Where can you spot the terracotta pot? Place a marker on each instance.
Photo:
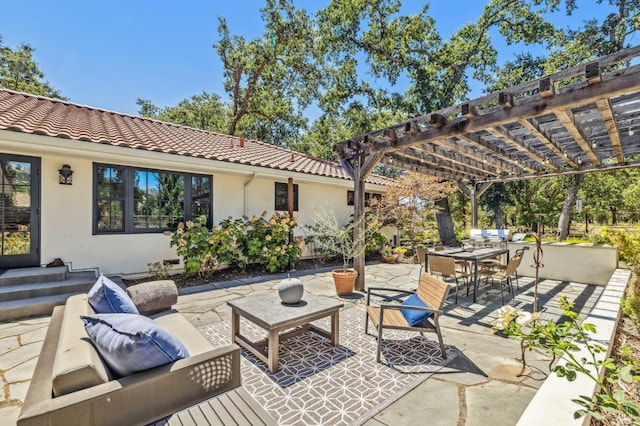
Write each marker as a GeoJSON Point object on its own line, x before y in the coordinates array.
{"type": "Point", "coordinates": [344, 280]}
{"type": "Point", "coordinates": [390, 259]}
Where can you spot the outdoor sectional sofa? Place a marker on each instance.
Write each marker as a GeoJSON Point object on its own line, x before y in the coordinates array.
{"type": "Point", "coordinates": [72, 385]}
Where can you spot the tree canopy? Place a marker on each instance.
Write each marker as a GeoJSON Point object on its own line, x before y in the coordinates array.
{"type": "Point", "coordinates": [20, 72]}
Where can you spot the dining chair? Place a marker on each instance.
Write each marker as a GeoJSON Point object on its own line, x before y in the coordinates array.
{"type": "Point", "coordinates": [421, 254]}
{"type": "Point", "coordinates": [463, 265]}
{"type": "Point", "coordinates": [502, 275]}
{"type": "Point", "coordinates": [446, 268]}
{"type": "Point", "coordinates": [518, 254]}
{"type": "Point", "coordinates": [419, 312]}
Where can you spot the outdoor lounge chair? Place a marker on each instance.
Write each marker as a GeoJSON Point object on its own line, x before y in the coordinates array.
{"type": "Point", "coordinates": [419, 312]}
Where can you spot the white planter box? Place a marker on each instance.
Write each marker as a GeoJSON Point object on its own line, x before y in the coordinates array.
{"type": "Point", "coordinates": [582, 263]}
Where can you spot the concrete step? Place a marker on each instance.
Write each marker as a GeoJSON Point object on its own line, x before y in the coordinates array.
{"type": "Point", "coordinates": [36, 306]}
{"type": "Point", "coordinates": [10, 277]}
{"type": "Point", "coordinates": [51, 288]}
{"type": "Point", "coordinates": [35, 297]}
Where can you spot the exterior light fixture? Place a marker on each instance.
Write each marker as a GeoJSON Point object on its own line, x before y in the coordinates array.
{"type": "Point", "coordinates": [65, 175]}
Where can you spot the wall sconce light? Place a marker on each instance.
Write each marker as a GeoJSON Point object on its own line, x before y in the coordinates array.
{"type": "Point", "coordinates": [65, 175]}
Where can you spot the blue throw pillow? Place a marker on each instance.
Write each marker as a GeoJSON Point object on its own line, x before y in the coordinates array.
{"type": "Point", "coordinates": [107, 297]}
{"type": "Point", "coordinates": [413, 316]}
{"type": "Point", "coordinates": [129, 343]}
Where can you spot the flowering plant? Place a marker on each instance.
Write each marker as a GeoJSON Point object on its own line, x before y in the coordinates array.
{"type": "Point", "coordinates": [510, 320]}
{"type": "Point", "coordinates": [570, 342]}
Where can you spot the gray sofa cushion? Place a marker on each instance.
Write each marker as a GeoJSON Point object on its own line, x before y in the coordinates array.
{"type": "Point", "coordinates": [153, 296]}
{"type": "Point", "coordinates": [77, 364]}
{"type": "Point", "coordinates": [130, 343]}
{"type": "Point", "coordinates": [177, 324]}
{"type": "Point", "coordinates": [106, 297]}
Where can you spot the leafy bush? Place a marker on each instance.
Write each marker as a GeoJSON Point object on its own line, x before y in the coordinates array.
{"type": "Point", "coordinates": [628, 243]}
{"type": "Point", "coordinates": [160, 270]}
{"type": "Point", "coordinates": [631, 309]}
{"type": "Point", "coordinates": [226, 240]}
{"type": "Point", "coordinates": [236, 242]}
{"type": "Point", "coordinates": [374, 237]}
{"type": "Point", "coordinates": [191, 240]}
{"type": "Point", "coordinates": [16, 242]}
{"type": "Point", "coordinates": [267, 241]}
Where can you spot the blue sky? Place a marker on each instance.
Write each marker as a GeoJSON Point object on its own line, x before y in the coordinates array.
{"type": "Point", "coordinates": [107, 54]}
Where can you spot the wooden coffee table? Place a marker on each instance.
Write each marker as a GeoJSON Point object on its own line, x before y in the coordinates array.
{"type": "Point", "coordinates": [268, 312]}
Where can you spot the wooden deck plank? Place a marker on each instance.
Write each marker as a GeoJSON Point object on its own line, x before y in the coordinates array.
{"type": "Point", "coordinates": [221, 411]}
{"type": "Point", "coordinates": [209, 413]}
{"type": "Point", "coordinates": [233, 408]}
{"type": "Point", "coordinates": [197, 417]}
{"type": "Point", "coordinates": [253, 412]}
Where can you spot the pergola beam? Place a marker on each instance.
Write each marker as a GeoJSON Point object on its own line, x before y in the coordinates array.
{"type": "Point", "coordinates": [569, 122]}
{"type": "Point", "coordinates": [534, 129]}
{"type": "Point", "coordinates": [604, 106]}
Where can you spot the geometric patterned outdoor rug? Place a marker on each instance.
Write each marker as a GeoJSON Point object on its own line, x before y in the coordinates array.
{"type": "Point", "coordinates": [321, 384]}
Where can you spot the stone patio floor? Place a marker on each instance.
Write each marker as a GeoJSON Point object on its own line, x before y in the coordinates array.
{"type": "Point", "coordinates": [478, 387]}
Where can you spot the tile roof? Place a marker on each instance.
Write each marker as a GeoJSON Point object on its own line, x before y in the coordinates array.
{"type": "Point", "coordinates": [26, 113]}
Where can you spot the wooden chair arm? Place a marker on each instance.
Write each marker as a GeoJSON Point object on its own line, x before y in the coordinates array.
{"type": "Point", "coordinates": [386, 289]}
{"type": "Point", "coordinates": [396, 306]}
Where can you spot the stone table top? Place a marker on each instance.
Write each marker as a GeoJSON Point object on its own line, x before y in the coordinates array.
{"type": "Point", "coordinates": [269, 312]}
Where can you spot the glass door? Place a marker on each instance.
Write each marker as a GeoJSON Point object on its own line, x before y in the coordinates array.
{"type": "Point", "coordinates": [19, 211]}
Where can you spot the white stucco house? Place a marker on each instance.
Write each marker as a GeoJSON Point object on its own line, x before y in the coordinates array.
{"type": "Point", "coordinates": [133, 178]}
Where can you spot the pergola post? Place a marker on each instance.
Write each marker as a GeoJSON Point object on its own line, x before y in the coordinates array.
{"type": "Point", "coordinates": [358, 169]}
{"type": "Point", "coordinates": [473, 192]}
{"type": "Point", "coordinates": [474, 207]}
{"type": "Point", "coordinates": [359, 229]}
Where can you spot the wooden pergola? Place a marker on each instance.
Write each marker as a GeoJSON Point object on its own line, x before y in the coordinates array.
{"type": "Point", "coordinates": [580, 120]}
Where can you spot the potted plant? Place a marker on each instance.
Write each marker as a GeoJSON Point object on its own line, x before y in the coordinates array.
{"type": "Point", "coordinates": [388, 256]}
{"type": "Point", "coordinates": [329, 235]}
{"type": "Point", "coordinates": [400, 251]}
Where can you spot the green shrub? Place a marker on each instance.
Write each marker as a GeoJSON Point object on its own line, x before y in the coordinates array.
{"type": "Point", "coordinates": [374, 237]}
{"type": "Point", "coordinates": [203, 250]}
{"type": "Point", "coordinates": [191, 240]}
{"type": "Point", "coordinates": [16, 242]}
{"type": "Point", "coordinates": [631, 309]}
{"type": "Point", "coordinates": [627, 242]}
{"type": "Point", "coordinates": [160, 270]}
{"type": "Point", "coordinates": [267, 241]}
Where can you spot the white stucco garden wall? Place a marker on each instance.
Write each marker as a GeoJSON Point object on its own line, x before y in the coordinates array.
{"type": "Point", "coordinates": [583, 263]}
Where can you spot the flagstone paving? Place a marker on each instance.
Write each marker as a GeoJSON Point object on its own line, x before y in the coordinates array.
{"type": "Point", "coordinates": [476, 388]}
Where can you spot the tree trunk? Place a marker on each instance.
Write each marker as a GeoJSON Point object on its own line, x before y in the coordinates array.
{"type": "Point", "coordinates": [445, 223]}
{"type": "Point", "coordinates": [499, 216]}
{"type": "Point", "coordinates": [614, 216]}
{"type": "Point", "coordinates": [565, 216]}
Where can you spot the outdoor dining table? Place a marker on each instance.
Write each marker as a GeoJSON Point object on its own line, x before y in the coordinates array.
{"type": "Point", "coordinates": [475, 256]}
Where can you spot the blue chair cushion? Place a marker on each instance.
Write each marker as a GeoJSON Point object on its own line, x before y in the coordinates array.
{"type": "Point", "coordinates": [129, 343]}
{"type": "Point", "coordinates": [107, 297]}
{"type": "Point", "coordinates": [413, 316]}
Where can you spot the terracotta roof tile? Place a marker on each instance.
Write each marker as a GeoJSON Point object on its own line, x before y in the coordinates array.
{"type": "Point", "coordinates": [43, 116]}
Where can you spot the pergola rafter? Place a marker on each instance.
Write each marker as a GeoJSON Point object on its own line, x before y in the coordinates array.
{"type": "Point", "coordinates": [580, 120]}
